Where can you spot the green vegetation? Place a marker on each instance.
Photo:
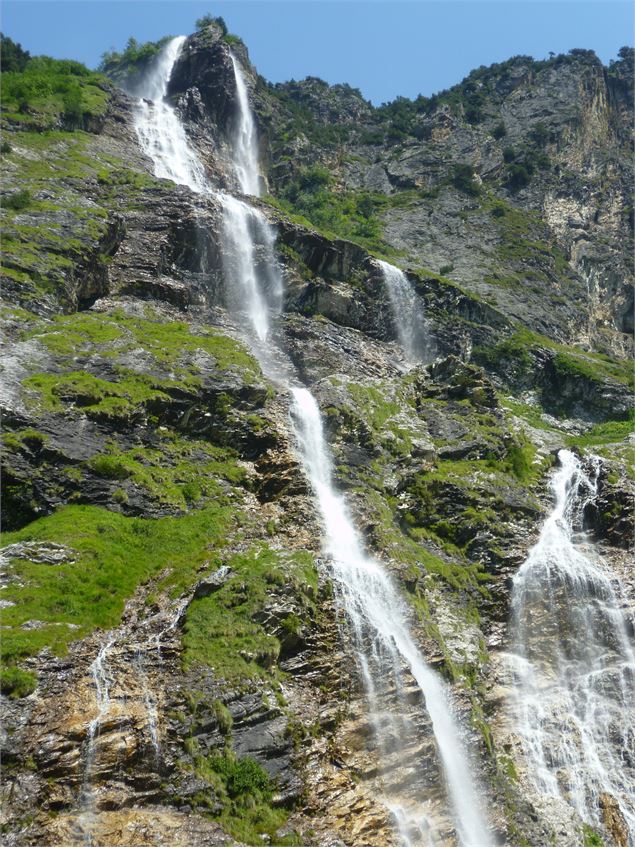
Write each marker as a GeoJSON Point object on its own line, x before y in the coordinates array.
{"type": "Point", "coordinates": [12, 57]}
{"type": "Point", "coordinates": [127, 392]}
{"type": "Point", "coordinates": [301, 121]}
{"type": "Point", "coordinates": [245, 792]}
{"type": "Point", "coordinates": [167, 341]}
{"type": "Point", "coordinates": [591, 837]}
{"type": "Point", "coordinates": [17, 201]}
{"type": "Point", "coordinates": [41, 90]}
{"type": "Point", "coordinates": [176, 472]}
{"type": "Point", "coordinates": [207, 20]}
{"type": "Point", "coordinates": [109, 557]}
{"type": "Point", "coordinates": [463, 179]}
{"type": "Point", "coordinates": [339, 214]}
{"type": "Point", "coordinates": [133, 57]}
{"type": "Point", "coordinates": [16, 682]}
{"type": "Point", "coordinates": [221, 631]}
{"type": "Point", "coordinates": [609, 432]}
{"type": "Point", "coordinates": [514, 357]}
{"type": "Point", "coordinates": [61, 230]}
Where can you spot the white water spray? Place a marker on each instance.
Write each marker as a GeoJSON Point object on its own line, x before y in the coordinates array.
{"type": "Point", "coordinates": [245, 147]}
{"type": "Point", "coordinates": [379, 625]}
{"type": "Point", "coordinates": [407, 312]}
{"type": "Point", "coordinates": [158, 127]}
{"type": "Point", "coordinates": [101, 684]}
{"type": "Point", "coordinates": [377, 616]}
{"type": "Point", "coordinates": [253, 282]}
{"type": "Point", "coordinates": [574, 698]}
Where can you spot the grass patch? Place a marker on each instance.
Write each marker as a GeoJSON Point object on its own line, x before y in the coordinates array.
{"type": "Point", "coordinates": [16, 683]}
{"type": "Point", "coordinates": [111, 556]}
{"type": "Point", "coordinates": [245, 791]}
{"type": "Point", "coordinates": [49, 89]}
{"type": "Point", "coordinates": [178, 472]}
{"type": "Point", "coordinates": [167, 341]}
{"type": "Point", "coordinates": [609, 432]}
{"type": "Point", "coordinates": [222, 630]}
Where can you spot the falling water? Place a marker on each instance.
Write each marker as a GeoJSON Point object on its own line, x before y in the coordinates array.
{"type": "Point", "coordinates": [253, 282]}
{"type": "Point", "coordinates": [574, 663]}
{"type": "Point", "coordinates": [245, 147]}
{"type": "Point", "coordinates": [101, 684]}
{"type": "Point", "coordinates": [407, 312]}
{"type": "Point", "coordinates": [150, 705]}
{"type": "Point", "coordinates": [158, 127]}
{"type": "Point", "coordinates": [376, 613]}
{"type": "Point", "coordinates": [378, 621]}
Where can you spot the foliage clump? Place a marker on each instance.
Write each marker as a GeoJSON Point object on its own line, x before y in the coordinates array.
{"type": "Point", "coordinates": [463, 180]}
{"type": "Point", "coordinates": [52, 88]}
{"type": "Point", "coordinates": [209, 20]}
{"type": "Point", "coordinates": [12, 56]}
{"type": "Point", "coordinates": [133, 55]}
{"type": "Point", "coordinates": [344, 214]}
{"type": "Point", "coordinates": [16, 683]}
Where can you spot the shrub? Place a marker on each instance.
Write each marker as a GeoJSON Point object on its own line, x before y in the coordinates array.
{"type": "Point", "coordinates": [12, 56]}
{"type": "Point", "coordinates": [208, 20]}
{"type": "Point", "coordinates": [539, 134]}
{"type": "Point", "coordinates": [371, 136]}
{"type": "Point", "coordinates": [223, 717]}
{"type": "Point", "coordinates": [5, 148]}
{"type": "Point", "coordinates": [133, 54]}
{"type": "Point", "coordinates": [16, 683]}
{"type": "Point", "coordinates": [444, 270]}
{"type": "Point", "coordinates": [73, 112]}
{"type": "Point", "coordinates": [18, 200]}
{"type": "Point", "coordinates": [509, 154]}
{"type": "Point", "coordinates": [518, 176]}
{"type": "Point", "coordinates": [499, 131]}
{"type": "Point", "coordinates": [463, 179]}
{"type": "Point", "coordinates": [243, 777]}
{"type": "Point", "coordinates": [109, 467]}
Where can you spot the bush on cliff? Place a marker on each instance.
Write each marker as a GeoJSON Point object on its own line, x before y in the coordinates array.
{"type": "Point", "coordinates": [54, 87]}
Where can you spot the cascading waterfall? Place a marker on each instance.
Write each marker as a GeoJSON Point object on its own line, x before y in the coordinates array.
{"type": "Point", "coordinates": [150, 704]}
{"type": "Point", "coordinates": [252, 276]}
{"type": "Point", "coordinates": [101, 684]}
{"type": "Point", "coordinates": [574, 663]}
{"type": "Point", "coordinates": [407, 312]}
{"type": "Point", "coordinates": [377, 616]}
{"type": "Point", "coordinates": [160, 132]}
{"type": "Point", "coordinates": [245, 147]}
{"type": "Point", "coordinates": [378, 621]}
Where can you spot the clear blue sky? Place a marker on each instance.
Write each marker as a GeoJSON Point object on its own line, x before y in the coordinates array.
{"type": "Point", "coordinates": [383, 48]}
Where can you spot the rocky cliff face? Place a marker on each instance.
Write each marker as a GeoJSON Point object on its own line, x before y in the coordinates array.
{"type": "Point", "coordinates": [174, 667]}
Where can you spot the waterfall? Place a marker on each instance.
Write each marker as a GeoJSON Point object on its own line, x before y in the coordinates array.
{"type": "Point", "coordinates": [377, 616]}
{"type": "Point", "coordinates": [245, 147]}
{"type": "Point", "coordinates": [378, 622]}
{"type": "Point", "coordinates": [574, 697]}
{"type": "Point", "coordinates": [253, 282]}
{"type": "Point", "coordinates": [101, 684]}
{"type": "Point", "coordinates": [160, 132]}
{"type": "Point", "coordinates": [407, 312]}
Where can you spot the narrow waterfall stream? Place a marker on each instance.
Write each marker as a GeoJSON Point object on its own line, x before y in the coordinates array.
{"type": "Point", "coordinates": [101, 683]}
{"type": "Point", "coordinates": [407, 312]}
{"type": "Point", "coordinates": [377, 617]}
{"type": "Point", "coordinates": [378, 623]}
{"type": "Point", "coordinates": [574, 662]}
{"type": "Point", "coordinates": [245, 146]}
